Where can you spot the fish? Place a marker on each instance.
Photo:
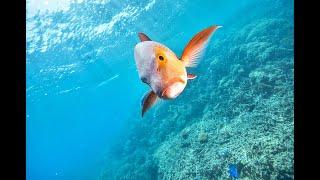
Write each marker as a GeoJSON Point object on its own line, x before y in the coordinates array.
{"type": "Point", "coordinates": [233, 171]}
{"type": "Point", "coordinates": [163, 71]}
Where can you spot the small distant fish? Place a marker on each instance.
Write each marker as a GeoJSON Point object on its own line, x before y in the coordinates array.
{"type": "Point", "coordinates": [162, 70]}
{"type": "Point", "coordinates": [233, 171]}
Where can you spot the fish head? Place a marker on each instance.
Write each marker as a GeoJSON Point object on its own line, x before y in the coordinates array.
{"type": "Point", "coordinates": [159, 67]}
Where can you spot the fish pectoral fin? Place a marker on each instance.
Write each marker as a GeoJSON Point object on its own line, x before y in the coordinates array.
{"type": "Point", "coordinates": [148, 100]}
{"type": "Point", "coordinates": [143, 37]}
{"type": "Point", "coordinates": [196, 46]}
{"type": "Point", "coordinates": [191, 76]}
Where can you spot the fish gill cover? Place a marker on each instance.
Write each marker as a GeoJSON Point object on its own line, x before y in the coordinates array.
{"type": "Point", "coordinates": [83, 92]}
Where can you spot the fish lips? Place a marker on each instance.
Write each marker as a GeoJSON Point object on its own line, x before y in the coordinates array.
{"type": "Point", "coordinates": [174, 89]}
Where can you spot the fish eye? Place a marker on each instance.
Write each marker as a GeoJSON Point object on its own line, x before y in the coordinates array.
{"type": "Point", "coordinates": [161, 58]}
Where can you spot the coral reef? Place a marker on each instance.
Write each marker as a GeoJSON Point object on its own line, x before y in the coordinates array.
{"type": "Point", "coordinates": [203, 137]}
{"type": "Point", "coordinates": [242, 114]}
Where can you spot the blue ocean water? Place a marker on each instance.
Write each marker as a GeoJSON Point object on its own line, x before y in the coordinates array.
{"type": "Point", "coordinates": [83, 91]}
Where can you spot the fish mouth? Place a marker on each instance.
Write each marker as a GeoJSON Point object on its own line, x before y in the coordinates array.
{"type": "Point", "coordinates": [163, 94]}
{"type": "Point", "coordinates": [167, 94]}
{"type": "Point", "coordinates": [173, 88]}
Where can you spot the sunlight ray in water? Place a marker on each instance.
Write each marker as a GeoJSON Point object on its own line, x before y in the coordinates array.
{"type": "Point", "coordinates": [108, 80]}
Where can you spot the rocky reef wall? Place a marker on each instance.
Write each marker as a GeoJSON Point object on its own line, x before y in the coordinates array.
{"type": "Point", "coordinates": [239, 110]}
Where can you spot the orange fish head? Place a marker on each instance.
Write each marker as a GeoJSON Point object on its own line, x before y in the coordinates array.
{"type": "Point", "coordinates": [172, 72]}
{"type": "Point", "coordinates": [159, 67]}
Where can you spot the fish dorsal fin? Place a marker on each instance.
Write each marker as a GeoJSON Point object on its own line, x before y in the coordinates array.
{"type": "Point", "coordinates": [148, 100]}
{"type": "Point", "coordinates": [143, 37]}
{"type": "Point", "coordinates": [196, 46]}
{"type": "Point", "coordinates": [191, 76]}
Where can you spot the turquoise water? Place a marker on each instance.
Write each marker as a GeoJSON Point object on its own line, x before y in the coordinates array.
{"type": "Point", "coordinates": [83, 91]}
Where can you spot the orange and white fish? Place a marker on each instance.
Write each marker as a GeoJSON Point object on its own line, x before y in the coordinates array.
{"type": "Point", "coordinates": [162, 70]}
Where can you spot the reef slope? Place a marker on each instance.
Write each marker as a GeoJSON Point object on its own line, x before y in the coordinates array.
{"type": "Point", "coordinates": [239, 110]}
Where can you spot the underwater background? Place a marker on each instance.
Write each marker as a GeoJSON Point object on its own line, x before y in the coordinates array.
{"type": "Point", "coordinates": [234, 121]}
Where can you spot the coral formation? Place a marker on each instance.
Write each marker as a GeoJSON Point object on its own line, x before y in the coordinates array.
{"type": "Point", "coordinates": [243, 115]}
{"type": "Point", "coordinates": [203, 137]}
{"type": "Point", "coordinates": [184, 133]}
